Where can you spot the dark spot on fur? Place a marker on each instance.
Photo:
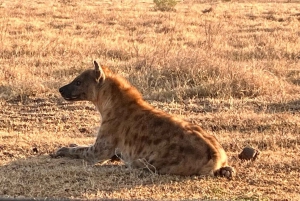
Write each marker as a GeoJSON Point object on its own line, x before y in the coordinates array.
{"type": "Point", "coordinates": [130, 109]}
{"type": "Point", "coordinates": [152, 161]}
{"type": "Point", "coordinates": [158, 123]}
{"type": "Point", "coordinates": [140, 149]}
{"type": "Point", "coordinates": [181, 136]}
{"type": "Point", "coordinates": [186, 149]}
{"type": "Point", "coordinates": [133, 102]}
{"type": "Point", "coordinates": [157, 141]}
{"type": "Point", "coordinates": [175, 162]}
{"type": "Point", "coordinates": [127, 131]}
{"type": "Point", "coordinates": [172, 147]}
{"type": "Point", "coordinates": [166, 155]}
{"type": "Point", "coordinates": [166, 131]}
{"type": "Point", "coordinates": [130, 143]}
{"type": "Point", "coordinates": [181, 149]}
{"type": "Point", "coordinates": [108, 114]}
{"type": "Point", "coordinates": [136, 117]}
{"type": "Point", "coordinates": [127, 115]}
{"type": "Point", "coordinates": [190, 168]}
{"type": "Point", "coordinates": [115, 141]}
{"type": "Point", "coordinates": [145, 139]}
{"type": "Point", "coordinates": [126, 142]}
{"type": "Point", "coordinates": [209, 153]}
{"type": "Point", "coordinates": [143, 128]}
{"type": "Point", "coordinates": [163, 163]}
{"type": "Point", "coordinates": [144, 153]}
{"type": "Point", "coordinates": [113, 90]}
{"type": "Point", "coordinates": [135, 135]}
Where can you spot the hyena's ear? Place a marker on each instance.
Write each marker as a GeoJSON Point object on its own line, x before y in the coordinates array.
{"type": "Point", "coordinates": [99, 72]}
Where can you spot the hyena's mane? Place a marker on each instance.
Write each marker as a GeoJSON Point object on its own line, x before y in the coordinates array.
{"type": "Point", "coordinates": [121, 88]}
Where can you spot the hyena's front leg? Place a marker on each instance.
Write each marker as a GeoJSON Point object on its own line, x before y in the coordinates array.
{"type": "Point", "coordinates": [84, 152]}
{"type": "Point", "coordinates": [101, 150]}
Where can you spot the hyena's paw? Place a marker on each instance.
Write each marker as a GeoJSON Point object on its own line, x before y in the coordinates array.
{"type": "Point", "coordinates": [62, 152]}
{"type": "Point", "coordinates": [227, 172]}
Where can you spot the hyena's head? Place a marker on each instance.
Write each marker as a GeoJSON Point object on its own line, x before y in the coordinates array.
{"type": "Point", "coordinates": [84, 87]}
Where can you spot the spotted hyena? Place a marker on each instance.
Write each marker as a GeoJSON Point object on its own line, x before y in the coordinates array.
{"type": "Point", "coordinates": [143, 136]}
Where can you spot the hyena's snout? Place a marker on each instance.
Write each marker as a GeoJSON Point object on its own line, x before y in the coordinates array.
{"type": "Point", "coordinates": [66, 93]}
{"type": "Point", "coordinates": [73, 92]}
{"type": "Point", "coordinates": [62, 91]}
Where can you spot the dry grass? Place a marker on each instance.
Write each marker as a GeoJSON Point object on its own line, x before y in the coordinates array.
{"type": "Point", "coordinates": [234, 70]}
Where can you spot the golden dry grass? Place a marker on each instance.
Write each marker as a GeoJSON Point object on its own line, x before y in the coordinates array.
{"type": "Point", "coordinates": [234, 70]}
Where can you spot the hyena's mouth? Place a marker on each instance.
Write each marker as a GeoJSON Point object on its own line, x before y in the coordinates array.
{"type": "Point", "coordinates": [72, 98]}
{"type": "Point", "coordinates": [75, 97]}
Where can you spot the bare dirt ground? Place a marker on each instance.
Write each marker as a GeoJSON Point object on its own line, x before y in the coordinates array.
{"type": "Point", "coordinates": [235, 71]}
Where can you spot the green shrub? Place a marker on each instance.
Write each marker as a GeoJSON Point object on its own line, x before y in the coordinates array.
{"type": "Point", "coordinates": [165, 5]}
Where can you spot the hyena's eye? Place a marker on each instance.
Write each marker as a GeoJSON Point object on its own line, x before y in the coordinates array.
{"type": "Point", "coordinates": [78, 83]}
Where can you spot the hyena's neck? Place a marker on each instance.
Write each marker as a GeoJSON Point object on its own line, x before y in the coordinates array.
{"type": "Point", "coordinates": [117, 94]}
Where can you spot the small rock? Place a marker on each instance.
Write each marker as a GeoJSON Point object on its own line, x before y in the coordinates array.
{"type": "Point", "coordinates": [207, 10]}
{"type": "Point", "coordinates": [83, 130]}
{"type": "Point", "coordinates": [35, 150]}
{"type": "Point", "coordinates": [249, 153]}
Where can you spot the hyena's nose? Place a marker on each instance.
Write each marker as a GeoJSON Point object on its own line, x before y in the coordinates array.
{"type": "Point", "coordinates": [61, 90]}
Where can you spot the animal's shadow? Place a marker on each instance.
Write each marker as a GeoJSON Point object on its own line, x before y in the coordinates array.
{"type": "Point", "coordinates": [43, 177]}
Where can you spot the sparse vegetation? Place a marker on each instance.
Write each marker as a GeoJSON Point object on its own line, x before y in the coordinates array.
{"type": "Point", "coordinates": [235, 71]}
